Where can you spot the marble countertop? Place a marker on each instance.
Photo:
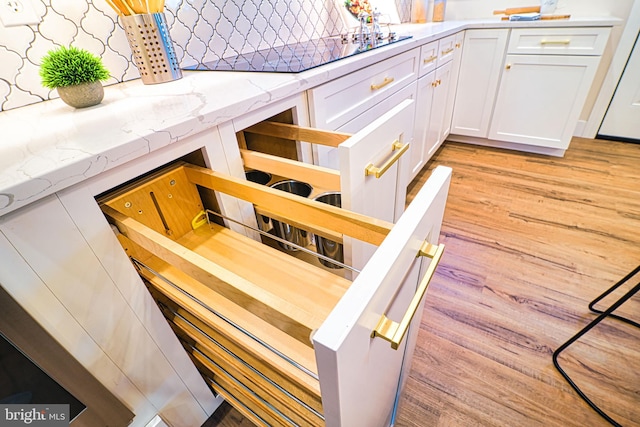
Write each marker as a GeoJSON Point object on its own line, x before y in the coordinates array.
{"type": "Point", "coordinates": [49, 146]}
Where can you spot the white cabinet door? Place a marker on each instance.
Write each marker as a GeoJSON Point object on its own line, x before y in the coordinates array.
{"type": "Point", "coordinates": [540, 98]}
{"type": "Point", "coordinates": [434, 106]}
{"type": "Point", "coordinates": [478, 80]}
{"type": "Point", "coordinates": [453, 84]}
{"type": "Point", "coordinates": [424, 104]}
{"type": "Point", "coordinates": [430, 125]}
{"type": "Point", "coordinates": [360, 376]}
{"type": "Point", "coordinates": [437, 126]}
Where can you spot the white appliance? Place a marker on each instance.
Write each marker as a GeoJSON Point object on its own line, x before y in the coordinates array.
{"type": "Point", "coordinates": [622, 120]}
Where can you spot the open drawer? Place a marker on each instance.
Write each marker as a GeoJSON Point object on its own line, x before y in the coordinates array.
{"type": "Point", "coordinates": [283, 341]}
{"type": "Point", "coordinates": [372, 173]}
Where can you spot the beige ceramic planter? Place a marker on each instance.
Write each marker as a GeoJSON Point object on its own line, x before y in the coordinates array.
{"type": "Point", "coordinates": [82, 95]}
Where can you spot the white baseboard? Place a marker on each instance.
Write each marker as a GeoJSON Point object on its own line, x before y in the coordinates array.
{"type": "Point", "coordinates": [556, 152]}
{"type": "Point", "coordinates": [580, 128]}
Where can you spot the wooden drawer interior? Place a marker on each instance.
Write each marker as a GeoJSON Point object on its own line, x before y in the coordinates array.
{"type": "Point", "coordinates": [219, 356]}
{"type": "Point", "coordinates": [245, 311]}
{"type": "Point", "coordinates": [274, 144]}
{"type": "Point", "coordinates": [274, 134]}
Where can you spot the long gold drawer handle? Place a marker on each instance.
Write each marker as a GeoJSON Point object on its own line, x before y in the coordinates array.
{"type": "Point", "coordinates": [445, 52]}
{"type": "Point", "coordinates": [430, 59]}
{"type": "Point", "coordinates": [386, 81]}
{"type": "Point", "coordinates": [394, 332]}
{"type": "Point", "coordinates": [370, 169]}
{"type": "Point", "coordinates": [543, 42]}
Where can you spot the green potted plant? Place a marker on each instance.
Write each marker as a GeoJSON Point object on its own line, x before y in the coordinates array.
{"type": "Point", "coordinates": [76, 73]}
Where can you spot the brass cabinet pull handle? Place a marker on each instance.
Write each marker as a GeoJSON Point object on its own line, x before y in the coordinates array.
{"type": "Point", "coordinates": [543, 42]}
{"type": "Point", "coordinates": [458, 45]}
{"type": "Point", "coordinates": [370, 169]}
{"type": "Point", "coordinates": [445, 52]}
{"type": "Point", "coordinates": [508, 67]}
{"type": "Point", "coordinates": [430, 59]}
{"type": "Point", "coordinates": [394, 332]}
{"type": "Point", "coordinates": [386, 81]}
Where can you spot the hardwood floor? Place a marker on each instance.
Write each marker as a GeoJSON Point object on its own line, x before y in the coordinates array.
{"type": "Point", "coordinates": [530, 241]}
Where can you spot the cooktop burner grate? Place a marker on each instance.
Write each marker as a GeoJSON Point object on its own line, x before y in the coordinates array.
{"type": "Point", "coordinates": [297, 57]}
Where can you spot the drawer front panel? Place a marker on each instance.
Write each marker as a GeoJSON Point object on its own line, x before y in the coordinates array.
{"type": "Point", "coordinates": [558, 41]}
{"type": "Point", "coordinates": [428, 58]}
{"type": "Point", "coordinates": [359, 377]}
{"type": "Point", "coordinates": [335, 103]}
{"type": "Point", "coordinates": [446, 49]}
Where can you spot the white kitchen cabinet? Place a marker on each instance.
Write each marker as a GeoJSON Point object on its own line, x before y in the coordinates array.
{"type": "Point", "coordinates": [433, 90]}
{"type": "Point", "coordinates": [378, 138]}
{"type": "Point", "coordinates": [426, 94]}
{"type": "Point", "coordinates": [339, 101]}
{"type": "Point", "coordinates": [531, 97]}
{"type": "Point", "coordinates": [30, 327]}
{"type": "Point", "coordinates": [478, 80]}
{"type": "Point", "coordinates": [546, 79]}
{"type": "Point", "coordinates": [621, 119]}
{"type": "Point", "coordinates": [371, 175]}
{"type": "Point", "coordinates": [283, 341]}
{"type": "Point", "coordinates": [437, 123]}
{"type": "Point", "coordinates": [453, 86]}
{"type": "Point", "coordinates": [63, 284]}
{"type": "Point", "coordinates": [350, 103]}
{"type": "Point", "coordinates": [540, 99]}
{"type": "Point", "coordinates": [379, 148]}
{"type": "Point", "coordinates": [434, 106]}
{"type": "Point", "coordinates": [386, 123]}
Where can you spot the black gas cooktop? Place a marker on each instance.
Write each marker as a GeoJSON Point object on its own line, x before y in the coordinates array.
{"type": "Point", "coordinates": [297, 57]}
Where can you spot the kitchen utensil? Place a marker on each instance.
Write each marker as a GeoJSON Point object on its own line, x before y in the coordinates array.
{"type": "Point", "coordinates": [136, 7]}
{"type": "Point", "coordinates": [152, 48]}
{"type": "Point", "coordinates": [545, 17]}
{"type": "Point", "coordinates": [514, 10]}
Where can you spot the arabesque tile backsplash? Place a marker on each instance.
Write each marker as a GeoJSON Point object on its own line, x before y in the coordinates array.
{"type": "Point", "coordinates": [201, 30]}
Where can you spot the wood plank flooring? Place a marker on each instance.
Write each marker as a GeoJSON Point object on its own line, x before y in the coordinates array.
{"type": "Point", "coordinates": [530, 241]}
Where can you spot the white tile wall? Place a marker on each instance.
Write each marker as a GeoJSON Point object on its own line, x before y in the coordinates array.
{"type": "Point", "coordinates": [201, 30]}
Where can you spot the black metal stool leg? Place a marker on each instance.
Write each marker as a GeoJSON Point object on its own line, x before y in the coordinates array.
{"type": "Point", "coordinates": [603, 314]}
{"type": "Point", "coordinates": [611, 289]}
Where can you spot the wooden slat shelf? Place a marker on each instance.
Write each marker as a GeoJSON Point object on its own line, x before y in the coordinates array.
{"type": "Point", "coordinates": [243, 317]}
